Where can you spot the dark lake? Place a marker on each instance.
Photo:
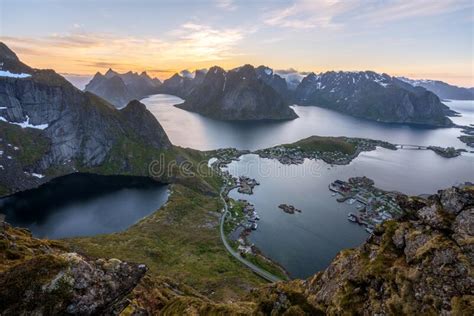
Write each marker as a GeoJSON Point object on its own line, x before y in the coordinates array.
{"type": "Point", "coordinates": [84, 205]}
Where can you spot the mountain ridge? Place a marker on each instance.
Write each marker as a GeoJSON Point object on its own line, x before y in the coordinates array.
{"type": "Point", "coordinates": [238, 94]}
{"type": "Point", "coordinates": [51, 128]}
{"type": "Point", "coordinates": [119, 89]}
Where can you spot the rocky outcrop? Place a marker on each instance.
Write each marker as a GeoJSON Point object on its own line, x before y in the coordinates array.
{"type": "Point", "coordinates": [120, 89]}
{"type": "Point", "coordinates": [40, 277]}
{"type": "Point", "coordinates": [51, 128]}
{"type": "Point", "coordinates": [422, 264]}
{"type": "Point", "coordinates": [237, 95]}
{"type": "Point", "coordinates": [182, 85]}
{"type": "Point", "coordinates": [442, 89]}
{"type": "Point", "coordinates": [373, 96]}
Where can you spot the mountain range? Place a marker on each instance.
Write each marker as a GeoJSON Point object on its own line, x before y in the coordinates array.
{"type": "Point", "coordinates": [442, 89]}
{"type": "Point", "coordinates": [420, 264]}
{"type": "Point", "coordinates": [119, 89]}
{"type": "Point", "coordinates": [49, 128]}
{"type": "Point", "coordinates": [373, 96]}
{"type": "Point", "coordinates": [238, 94]}
{"type": "Point", "coordinates": [249, 93]}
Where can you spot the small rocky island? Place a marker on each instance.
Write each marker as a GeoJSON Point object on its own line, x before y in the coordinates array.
{"type": "Point", "coordinates": [246, 185]}
{"type": "Point", "coordinates": [448, 152]}
{"type": "Point", "coordinates": [289, 209]}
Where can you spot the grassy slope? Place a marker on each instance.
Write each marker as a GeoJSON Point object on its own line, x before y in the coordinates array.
{"type": "Point", "coordinates": [321, 143]}
{"type": "Point", "coordinates": [181, 241]}
{"type": "Point", "coordinates": [32, 143]}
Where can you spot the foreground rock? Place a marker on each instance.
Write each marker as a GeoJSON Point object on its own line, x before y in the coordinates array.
{"type": "Point", "coordinates": [39, 277]}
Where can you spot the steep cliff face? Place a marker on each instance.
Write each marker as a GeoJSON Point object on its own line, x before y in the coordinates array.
{"type": "Point", "coordinates": [373, 96]}
{"type": "Point", "coordinates": [49, 126]}
{"type": "Point", "coordinates": [420, 265]}
{"type": "Point", "coordinates": [237, 95]}
{"type": "Point", "coordinates": [40, 277]}
{"type": "Point", "coordinates": [120, 89]}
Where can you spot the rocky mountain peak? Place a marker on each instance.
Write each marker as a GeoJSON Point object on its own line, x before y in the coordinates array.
{"type": "Point", "coordinates": [68, 129]}
{"type": "Point", "coordinates": [110, 73]}
{"type": "Point", "coordinates": [236, 95]}
{"type": "Point", "coordinates": [6, 53]}
{"type": "Point", "coordinates": [373, 96]}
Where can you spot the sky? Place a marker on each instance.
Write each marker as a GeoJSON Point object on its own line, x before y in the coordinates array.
{"type": "Point", "coordinates": [421, 39]}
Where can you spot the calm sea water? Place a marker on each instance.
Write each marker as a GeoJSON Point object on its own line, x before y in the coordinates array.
{"type": "Point", "coordinates": [305, 243]}
{"type": "Point", "coordinates": [196, 131]}
{"type": "Point", "coordinates": [84, 205]}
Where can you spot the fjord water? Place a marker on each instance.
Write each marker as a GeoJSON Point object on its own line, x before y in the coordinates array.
{"type": "Point", "coordinates": [196, 131]}
{"type": "Point", "coordinates": [84, 205]}
{"type": "Point", "coordinates": [307, 242]}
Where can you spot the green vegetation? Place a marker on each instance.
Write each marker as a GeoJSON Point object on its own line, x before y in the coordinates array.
{"type": "Point", "coordinates": [467, 139]}
{"type": "Point", "coordinates": [267, 265]}
{"type": "Point", "coordinates": [176, 165]}
{"type": "Point", "coordinates": [180, 241]}
{"type": "Point", "coordinates": [236, 216]}
{"type": "Point", "coordinates": [324, 144]}
{"type": "Point", "coordinates": [31, 143]}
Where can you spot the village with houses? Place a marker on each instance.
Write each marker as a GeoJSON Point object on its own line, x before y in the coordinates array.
{"type": "Point", "coordinates": [373, 205]}
{"type": "Point", "coordinates": [332, 150]}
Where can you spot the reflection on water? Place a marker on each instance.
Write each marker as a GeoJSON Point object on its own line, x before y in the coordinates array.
{"type": "Point", "coordinates": [196, 131]}
{"type": "Point", "coordinates": [84, 205]}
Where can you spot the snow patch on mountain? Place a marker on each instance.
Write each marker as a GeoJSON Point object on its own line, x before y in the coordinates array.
{"type": "Point", "coordinates": [6, 73]}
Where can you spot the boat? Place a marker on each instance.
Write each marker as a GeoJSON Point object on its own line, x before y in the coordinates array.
{"type": "Point", "coordinates": [334, 194]}
{"type": "Point", "coordinates": [254, 226]}
{"type": "Point", "coordinates": [369, 230]}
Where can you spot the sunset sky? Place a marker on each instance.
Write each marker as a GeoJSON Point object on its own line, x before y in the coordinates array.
{"type": "Point", "coordinates": [415, 38]}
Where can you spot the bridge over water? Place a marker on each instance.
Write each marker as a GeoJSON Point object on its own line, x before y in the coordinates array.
{"type": "Point", "coordinates": [409, 146]}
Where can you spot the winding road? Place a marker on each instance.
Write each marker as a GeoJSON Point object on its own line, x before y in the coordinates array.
{"type": "Point", "coordinates": [264, 274]}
